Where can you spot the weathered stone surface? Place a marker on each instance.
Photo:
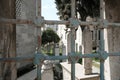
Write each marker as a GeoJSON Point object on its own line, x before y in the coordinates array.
{"type": "Point", "coordinates": [79, 72]}
{"type": "Point", "coordinates": [26, 35]}
{"type": "Point", "coordinates": [7, 40]}
{"type": "Point", "coordinates": [87, 49]}
{"type": "Point", "coordinates": [112, 40]}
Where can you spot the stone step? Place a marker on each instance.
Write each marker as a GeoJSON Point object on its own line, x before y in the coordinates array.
{"type": "Point", "coordinates": [79, 72]}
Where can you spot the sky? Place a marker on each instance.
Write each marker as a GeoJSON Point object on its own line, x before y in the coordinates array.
{"type": "Point", "coordinates": [49, 10]}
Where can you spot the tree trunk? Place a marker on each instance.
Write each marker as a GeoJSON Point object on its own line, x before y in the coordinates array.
{"type": "Point", "coordinates": [112, 40]}
{"type": "Point", "coordinates": [7, 40]}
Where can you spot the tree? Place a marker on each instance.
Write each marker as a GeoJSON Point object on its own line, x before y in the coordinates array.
{"type": "Point", "coordinates": [83, 7]}
{"type": "Point", "coordinates": [49, 36]}
{"type": "Point", "coordinates": [8, 70]}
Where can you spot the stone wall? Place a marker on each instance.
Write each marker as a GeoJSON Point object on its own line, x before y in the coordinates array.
{"type": "Point", "coordinates": [112, 40]}
{"type": "Point", "coordinates": [26, 35]}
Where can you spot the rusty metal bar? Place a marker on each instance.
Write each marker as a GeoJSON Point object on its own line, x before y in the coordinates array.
{"type": "Point", "coordinates": [38, 7]}
{"type": "Point", "coordinates": [15, 21]}
{"type": "Point", "coordinates": [17, 59]}
{"type": "Point", "coordinates": [39, 39]}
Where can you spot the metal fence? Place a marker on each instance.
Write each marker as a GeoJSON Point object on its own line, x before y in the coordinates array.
{"type": "Point", "coordinates": [38, 58]}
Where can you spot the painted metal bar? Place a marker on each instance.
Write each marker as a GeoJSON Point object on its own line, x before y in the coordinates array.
{"type": "Point", "coordinates": [26, 21]}
{"type": "Point", "coordinates": [102, 69]}
{"type": "Point", "coordinates": [101, 40]}
{"type": "Point", "coordinates": [114, 24]}
{"type": "Point", "coordinates": [55, 22]}
{"type": "Point", "coordinates": [73, 70]}
{"type": "Point", "coordinates": [15, 21]}
{"type": "Point", "coordinates": [39, 38]}
{"type": "Point", "coordinates": [114, 54]}
{"type": "Point", "coordinates": [73, 39]}
{"type": "Point", "coordinates": [102, 8]}
{"type": "Point", "coordinates": [39, 72]}
{"type": "Point", "coordinates": [31, 58]}
{"type": "Point", "coordinates": [38, 7]}
{"type": "Point", "coordinates": [56, 57]}
{"type": "Point", "coordinates": [17, 59]}
{"type": "Point", "coordinates": [73, 8]}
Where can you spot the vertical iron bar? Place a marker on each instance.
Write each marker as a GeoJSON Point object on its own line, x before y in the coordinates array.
{"type": "Point", "coordinates": [73, 70]}
{"type": "Point", "coordinates": [101, 60]}
{"type": "Point", "coordinates": [101, 69]}
{"type": "Point", "coordinates": [38, 7]}
{"type": "Point", "coordinates": [72, 51]}
{"type": "Point", "coordinates": [73, 40]}
{"type": "Point", "coordinates": [38, 72]}
{"type": "Point", "coordinates": [73, 8]}
{"type": "Point", "coordinates": [101, 40]}
{"type": "Point", "coordinates": [38, 14]}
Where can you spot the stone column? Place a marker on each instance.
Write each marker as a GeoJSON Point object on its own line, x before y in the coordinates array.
{"type": "Point", "coordinates": [112, 44]}
{"type": "Point", "coordinates": [112, 40]}
{"type": "Point", "coordinates": [68, 46]}
{"type": "Point", "coordinates": [63, 51]}
{"type": "Point", "coordinates": [86, 49]}
{"type": "Point", "coordinates": [57, 52]}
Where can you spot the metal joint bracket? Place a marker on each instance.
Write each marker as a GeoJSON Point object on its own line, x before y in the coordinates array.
{"type": "Point", "coordinates": [39, 21]}
{"type": "Point", "coordinates": [73, 57]}
{"type": "Point", "coordinates": [103, 23]}
{"type": "Point", "coordinates": [103, 55]}
{"type": "Point", "coordinates": [74, 22]}
{"type": "Point", "coordinates": [38, 59]}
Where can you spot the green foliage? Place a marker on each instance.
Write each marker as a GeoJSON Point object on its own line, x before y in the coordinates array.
{"type": "Point", "coordinates": [63, 7]}
{"type": "Point", "coordinates": [49, 36]}
{"type": "Point", "coordinates": [83, 7]}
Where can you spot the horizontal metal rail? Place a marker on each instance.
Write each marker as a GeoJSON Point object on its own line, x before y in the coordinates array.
{"type": "Point", "coordinates": [31, 58]}
{"type": "Point", "coordinates": [51, 22]}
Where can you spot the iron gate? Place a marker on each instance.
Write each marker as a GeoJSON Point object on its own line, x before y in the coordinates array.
{"type": "Point", "coordinates": [73, 22]}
